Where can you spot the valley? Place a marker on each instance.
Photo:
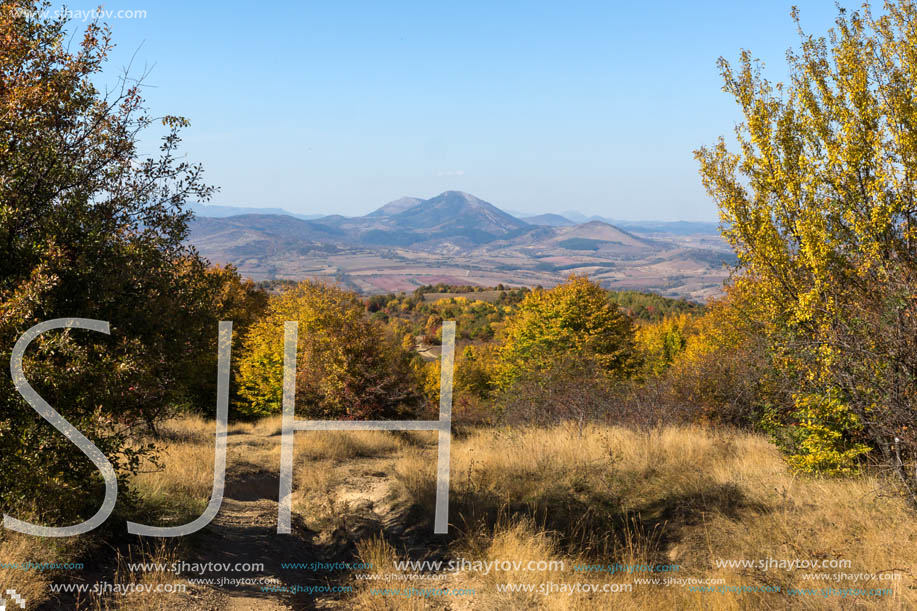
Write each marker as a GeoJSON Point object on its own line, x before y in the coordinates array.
{"type": "Point", "coordinates": [456, 238]}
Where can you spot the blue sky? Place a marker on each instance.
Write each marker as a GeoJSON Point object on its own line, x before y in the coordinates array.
{"type": "Point", "coordinates": [339, 107]}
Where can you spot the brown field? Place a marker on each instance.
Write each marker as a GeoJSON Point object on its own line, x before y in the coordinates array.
{"type": "Point", "coordinates": [683, 266]}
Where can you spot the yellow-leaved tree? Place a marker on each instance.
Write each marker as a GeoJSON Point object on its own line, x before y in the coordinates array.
{"type": "Point", "coordinates": [348, 367]}
{"type": "Point", "coordinates": [575, 320]}
{"type": "Point", "coordinates": [660, 342]}
{"type": "Point", "coordinates": [819, 204]}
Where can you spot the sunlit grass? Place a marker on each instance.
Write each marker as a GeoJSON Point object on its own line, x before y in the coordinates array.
{"type": "Point", "coordinates": [685, 496]}
{"type": "Point", "coordinates": [598, 495]}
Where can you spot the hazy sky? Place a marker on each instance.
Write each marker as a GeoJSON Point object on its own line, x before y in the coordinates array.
{"type": "Point", "coordinates": [339, 107]}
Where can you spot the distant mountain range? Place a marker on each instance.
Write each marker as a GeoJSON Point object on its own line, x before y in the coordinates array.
{"type": "Point", "coordinates": [206, 210]}
{"type": "Point", "coordinates": [450, 220]}
{"type": "Point", "coordinates": [564, 219]}
{"type": "Point", "coordinates": [413, 241]}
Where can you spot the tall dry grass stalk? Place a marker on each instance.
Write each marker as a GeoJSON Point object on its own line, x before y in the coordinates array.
{"type": "Point", "coordinates": [683, 495]}
{"type": "Point", "coordinates": [177, 487]}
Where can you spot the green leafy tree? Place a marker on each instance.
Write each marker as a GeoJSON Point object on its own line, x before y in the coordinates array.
{"type": "Point", "coordinates": [573, 319]}
{"type": "Point", "coordinates": [88, 228]}
{"type": "Point", "coordinates": [232, 298]}
{"type": "Point", "coordinates": [819, 204]}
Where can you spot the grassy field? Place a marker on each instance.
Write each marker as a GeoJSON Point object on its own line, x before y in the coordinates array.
{"type": "Point", "coordinates": [685, 497]}
{"type": "Point", "coordinates": [677, 497]}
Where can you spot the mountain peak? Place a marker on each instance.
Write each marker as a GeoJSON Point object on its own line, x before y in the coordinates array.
{"type": "Point", "coordinates": [445, 202]}
{"type": "Point", "coordinates": [397, 206]}
{"type": "Point", "coordinates": [458, 197]}
{"type": "Point", "coordinates": [455, 214]}
{"type": "Point", "coordinates": [462, 194]}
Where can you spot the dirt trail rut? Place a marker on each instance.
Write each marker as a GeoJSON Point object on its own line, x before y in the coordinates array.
{"type": "Point", "coordinates": [245, 531]}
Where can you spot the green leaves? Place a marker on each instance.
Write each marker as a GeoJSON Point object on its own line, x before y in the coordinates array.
{"type": "Point", "coordinates": [574, 319]}
{"type": "Point", "coordinates": [175, 122]}
{"type": "Point", "coordinates": [90, 229]}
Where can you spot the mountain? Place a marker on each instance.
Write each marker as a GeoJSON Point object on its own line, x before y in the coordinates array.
{"type": "Point", "coordinates": [256, 235]}
{"type": "Point", "coordinates": [455, 218]}
{"type": "Point", "coordinates": [596, 234]}
{"type": "Point", "coordinates": [576, 217]}
{"type": "Point", "coordinates": [549, 220]}
{"type": "Point", "coordinates": [458, 214]}
{"type": "Point", "coordinates": [457, 238]}
{"type": "Point", "coordinates": [680, 228]}
{"type": "Point", "coordinates": [399, 205]}
{"type": "Point", "coordinates": [210, 211]}
{"type": "Point", "coordinates": [671, 227]}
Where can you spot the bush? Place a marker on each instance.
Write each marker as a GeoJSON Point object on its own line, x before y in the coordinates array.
{"type": "Point", "coordinates": [569, 390]}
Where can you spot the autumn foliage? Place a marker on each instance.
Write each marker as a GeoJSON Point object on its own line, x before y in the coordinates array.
{"type": "Point", "coordinates": [348, 366]}
{"type": "Point", "coordinates": [90, 227]}
{"type": "Point", "coordinates": [819, 203]}
{"type": "Point", "coordinates": [576, 319]}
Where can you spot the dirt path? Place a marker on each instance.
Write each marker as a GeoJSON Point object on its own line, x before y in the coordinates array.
{"type": "Point", "coordinates": [361, 491]}
{"type": "Point", "coordinates": [427, 352]}
{"type": "Point", "coordinates": [245, 531]}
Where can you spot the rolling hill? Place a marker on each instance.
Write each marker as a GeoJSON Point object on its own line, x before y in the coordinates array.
{"type": "Point", "coordinates": [550, 220]}
{"type": "Point", "coordinates": [458, 238]}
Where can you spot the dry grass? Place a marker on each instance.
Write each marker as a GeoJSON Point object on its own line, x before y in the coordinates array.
{"type": "Point", "coordinates": [342, 445]}
{"type": "Point", "coordinates": [161, 552]}
{"type": "Point", "coordinates": [379, 553]}
{"type": "Point", "coordinates": [686, 496]}
{"type": "Point", "coordinates": [602, 495]}
{"type": "Point", "coordinates": [314, 496]}
{"type": "Point", "coordinates": [18, 548]}
{"type": "Point", "coordinates": [179, 488]}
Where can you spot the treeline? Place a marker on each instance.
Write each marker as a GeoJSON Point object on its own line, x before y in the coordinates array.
{"type": "Point", "coordinates": [648, 307]}
{"type": "Point", "coordinates": [351, 343]}
{"type": "Point", "coordinates": [358, 358]}
{"type": "Point", "coordinates": [480, 311]}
